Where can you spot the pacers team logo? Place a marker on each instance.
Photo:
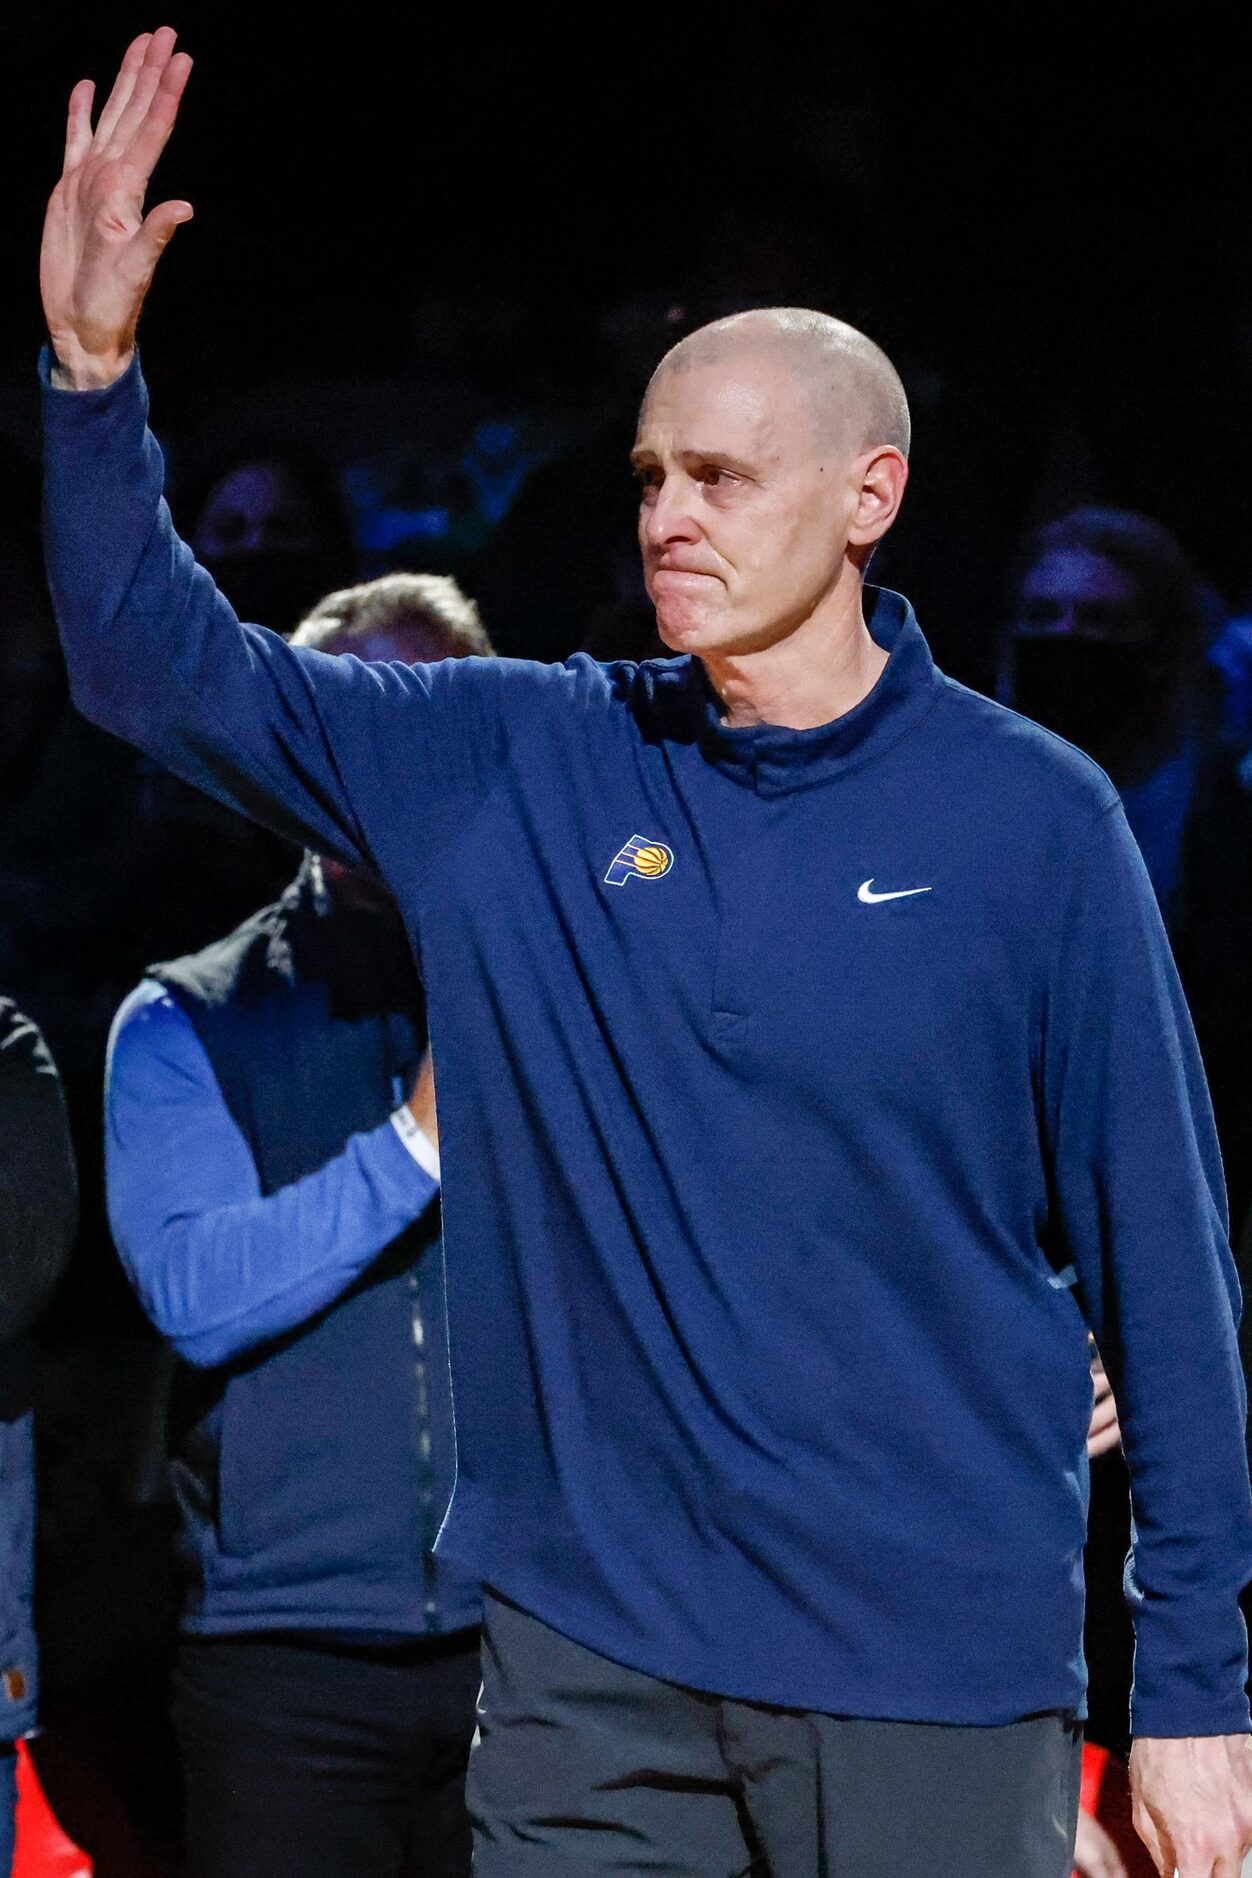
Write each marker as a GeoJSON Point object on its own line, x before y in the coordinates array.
{"type": "Point", "coordinates": [639, 859]}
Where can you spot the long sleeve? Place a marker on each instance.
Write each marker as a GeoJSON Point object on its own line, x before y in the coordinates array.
{"type": "Point", "coordinates": [347, 757]}
{"type": "Point", "coordinates": [218, 1266]}
{"type": "Point", "coordinates": [38, 1190]}
{"type": "Point", "coordinates": [1138, 1184]}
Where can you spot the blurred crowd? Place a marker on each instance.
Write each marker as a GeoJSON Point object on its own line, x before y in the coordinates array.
{"type": "Point", "coordinates": [1087, 617]}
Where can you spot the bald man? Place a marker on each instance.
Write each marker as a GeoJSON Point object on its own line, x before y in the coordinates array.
{"type": "Point", "coordinates": [813, 1074]}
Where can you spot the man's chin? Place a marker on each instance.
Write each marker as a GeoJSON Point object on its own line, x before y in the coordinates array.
{"type": "Point", "coordinates": [685, 628]}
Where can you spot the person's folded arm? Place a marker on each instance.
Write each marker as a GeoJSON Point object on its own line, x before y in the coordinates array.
{"type": "Point", "coordinates": [219, 1266]}
{"type": "Point", "coordinates": [1138, 1182]}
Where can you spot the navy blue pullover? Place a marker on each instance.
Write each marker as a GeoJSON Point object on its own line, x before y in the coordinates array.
{"type": "Point", "coordinates": [804, 1096]}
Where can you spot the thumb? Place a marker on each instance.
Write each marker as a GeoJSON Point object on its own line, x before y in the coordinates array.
{"type": "Point", "coordinates": [147, 244]}
{"type": "Point", "coordinates": [158, 227]}
{"type": "Point", "coordinates": [160, 224]}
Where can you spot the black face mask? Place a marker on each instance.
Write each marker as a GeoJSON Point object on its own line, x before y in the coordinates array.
{"type": "Point", "coordinates": [275, 587]}
{"type": "Point", "coordinates": [1110, 698]}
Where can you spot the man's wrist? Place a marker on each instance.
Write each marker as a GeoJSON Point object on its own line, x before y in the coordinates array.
{"type": "Point", "coordinates": [419, 1144]}
{"type": "Point", "coordinates": [72, 369]}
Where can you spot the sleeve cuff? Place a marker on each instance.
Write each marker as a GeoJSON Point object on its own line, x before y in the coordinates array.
{"type": "Point", "coordinates": [1191, 1667]}
{"type": "Point", "coordinates": [124, 386]}
{"type": "Point", "coordinates": [417, 1141]}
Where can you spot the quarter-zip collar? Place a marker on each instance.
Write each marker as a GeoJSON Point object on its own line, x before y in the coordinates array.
{"type": "Point", "coordinates": [772, 759]}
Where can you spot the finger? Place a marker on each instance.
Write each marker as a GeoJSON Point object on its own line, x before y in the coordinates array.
{"type": "Point", "coordinates": [123, 85]}
{"type": "Point", "coordinates": [147, 79]}
{"type": "Point", "coordinates": [1161, 1854]}
{"type": "Point", "coordinates": [154, 133]}
{"type": "Point", "coordinates": [1095, 1855]}
{"type": "Point", "coordinates": [78, 123]}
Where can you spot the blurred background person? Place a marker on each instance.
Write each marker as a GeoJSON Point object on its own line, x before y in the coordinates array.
{"type": "Point", "coordinates": [105, 859]}
{"type": "Point", "coordinates": [272, 529]}
{"type": "Point", "coordinates": [273, 1177]}
{"type": "Point", "coordinates": [1109, 646]}
{"type": "Point", "coordinates": [38, 1201]}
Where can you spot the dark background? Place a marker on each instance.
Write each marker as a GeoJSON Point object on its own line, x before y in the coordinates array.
{"type": "Point", "coordinates": [407, 221]}
{"type": "Point", "coordinates": [1049, 232]}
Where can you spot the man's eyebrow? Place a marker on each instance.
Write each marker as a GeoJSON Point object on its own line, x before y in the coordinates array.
{"type": "Point", "coordinates": [640, 455]}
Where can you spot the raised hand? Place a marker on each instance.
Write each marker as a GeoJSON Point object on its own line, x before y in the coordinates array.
{"type": "Point", "coordinates": [99, 249]}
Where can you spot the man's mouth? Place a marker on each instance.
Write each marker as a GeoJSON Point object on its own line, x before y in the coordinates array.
{"type": "Point", "coordinates": [679, 577]}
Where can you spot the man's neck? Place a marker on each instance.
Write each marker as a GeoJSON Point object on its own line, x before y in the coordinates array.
{"type": "Point", "coordinates": [819, 672]}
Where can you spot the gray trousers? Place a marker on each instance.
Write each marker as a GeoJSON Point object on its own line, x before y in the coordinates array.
{"type": "Point", "coordinates": [581, 1767]}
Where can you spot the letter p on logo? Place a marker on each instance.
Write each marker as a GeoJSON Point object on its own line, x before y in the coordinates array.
{"type": "Point", "coordinates": [640, 859]}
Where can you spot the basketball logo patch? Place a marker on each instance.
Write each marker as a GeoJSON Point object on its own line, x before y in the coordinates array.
{"type": "Point", "coordinates": [640, 859]}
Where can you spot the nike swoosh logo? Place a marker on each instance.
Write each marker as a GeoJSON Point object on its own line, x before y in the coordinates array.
{"type": "Point", "coordinates": [864, 894]}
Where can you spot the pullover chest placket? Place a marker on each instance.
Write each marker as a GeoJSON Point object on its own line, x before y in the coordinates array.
{"type": "Point", "coordinates": [747, 904]}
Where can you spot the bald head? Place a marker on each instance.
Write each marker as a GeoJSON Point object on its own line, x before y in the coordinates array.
{"type": "Point", "coordinates": [854, 390]}
{"type": "Point", "coordinates": [770, 455]}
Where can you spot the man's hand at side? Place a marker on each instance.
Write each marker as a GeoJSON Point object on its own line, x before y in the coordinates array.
{"type": "Point", "coordinates": [1105, 1431]}
{"type": "Point", "coordinates": [99, 249]}
{"type": "Point", "coordinates": [1095, 1855]}
{"type": "Point", "coordinates": [421, 1103]}
{"type": "Point", "coordinates": [1193, 1803]}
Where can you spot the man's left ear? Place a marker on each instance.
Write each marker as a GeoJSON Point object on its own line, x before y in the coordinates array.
{"type": "Point", "coordinates": [883, 474]}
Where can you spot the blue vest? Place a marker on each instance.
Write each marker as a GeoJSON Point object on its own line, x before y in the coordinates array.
{"type": "Point", "coordinates": [312, 1474]}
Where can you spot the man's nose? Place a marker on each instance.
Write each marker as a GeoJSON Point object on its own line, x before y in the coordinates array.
{"type": "Point", "coordinates": [670, 515]}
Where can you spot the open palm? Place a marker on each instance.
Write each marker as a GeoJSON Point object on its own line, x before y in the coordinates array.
{"type": "Point", "coordinates": [99, 248]}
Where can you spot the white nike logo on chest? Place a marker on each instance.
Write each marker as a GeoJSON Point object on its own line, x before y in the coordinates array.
{"type": "Point", "coordinates": [869, 898]}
